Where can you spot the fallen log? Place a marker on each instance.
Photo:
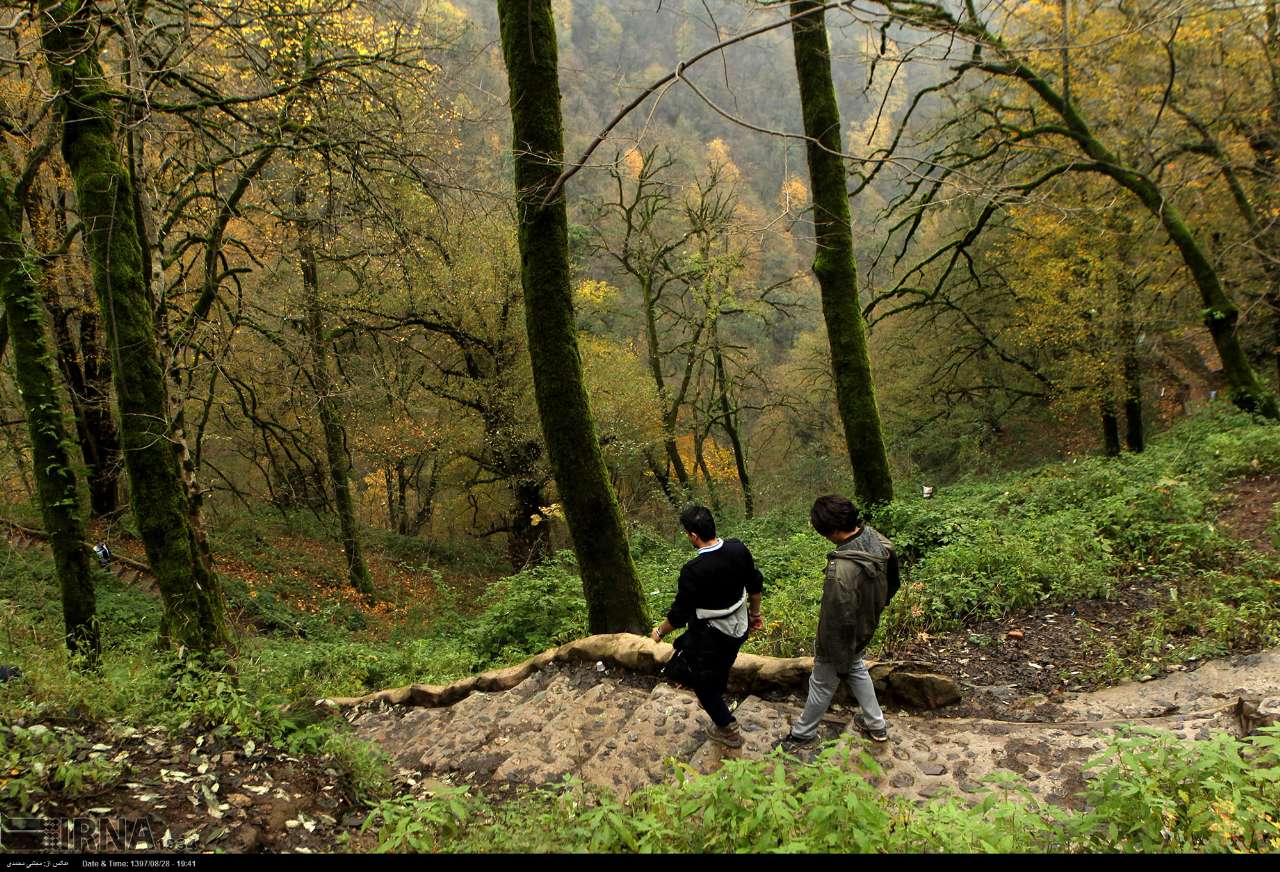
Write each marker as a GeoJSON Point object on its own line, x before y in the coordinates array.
{"type": "Point", "coordinates": [903, 682]}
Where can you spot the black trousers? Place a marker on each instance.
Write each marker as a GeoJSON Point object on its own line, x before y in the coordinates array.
{"type": "Point", "coordinates": [711, 654]}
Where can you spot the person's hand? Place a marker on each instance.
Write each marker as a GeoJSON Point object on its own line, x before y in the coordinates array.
{"type": "Point", "coordinates": [757, 622]}
{"type": "Point", "coordinates": [656, 635]}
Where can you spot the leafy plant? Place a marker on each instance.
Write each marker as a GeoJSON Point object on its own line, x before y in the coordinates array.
{"type": "Point", "coordinates": [38, 761]}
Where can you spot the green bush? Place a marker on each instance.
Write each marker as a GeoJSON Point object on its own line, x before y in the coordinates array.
{"type": "Point", "coordinates": [529, 612]}
{"type": "Point", "coordinates": [1152, 791]}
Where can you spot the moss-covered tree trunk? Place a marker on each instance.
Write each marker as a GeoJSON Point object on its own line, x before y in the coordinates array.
{"type": "Point", "coordinates": [833, 262]}
{"type": "Point", "coordinates": [194, 613]}
{"type": "Point", "coordinates": [335, 436]}
{"type": "Point", "coordinates": [51, 462]}
{"type": "Point", "coordinates": [609, 581]}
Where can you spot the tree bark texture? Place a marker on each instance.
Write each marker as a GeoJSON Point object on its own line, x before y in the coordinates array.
{"type": "Point", "coordinates": [51, 461]}
{"type": "Point", "coordinates": [194, 612]}
{"type": "Point", "coordinates": [610, 584]}
{"type": "Point", "coordinates": [833, 262]}
{"type": "Point", "coordinates": [335, 437]}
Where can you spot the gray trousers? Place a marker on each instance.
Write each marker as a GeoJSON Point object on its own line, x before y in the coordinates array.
{"type": "Point", "coordinates": [822, 687]}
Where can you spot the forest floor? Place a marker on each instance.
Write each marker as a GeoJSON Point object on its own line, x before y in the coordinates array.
{"type": "Point", "coordinates": [210, 790]}
{"type": "Point", "coordinates": [1029, 657]}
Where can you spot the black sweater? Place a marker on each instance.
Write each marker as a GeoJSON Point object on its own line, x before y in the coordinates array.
{"type": "Point", "coordinates": [714, 580]}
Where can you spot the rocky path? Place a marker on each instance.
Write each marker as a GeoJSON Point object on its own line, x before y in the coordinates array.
{"type": "Point", "coordinates": [615, 727]}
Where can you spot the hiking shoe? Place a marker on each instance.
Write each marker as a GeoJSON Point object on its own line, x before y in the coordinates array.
{"type": "Point", "coordinates": [791, 744]}
{"type": "Point", "coordinates": [880, 734]}
{"type": "Point", "coordinates": [730, 736]}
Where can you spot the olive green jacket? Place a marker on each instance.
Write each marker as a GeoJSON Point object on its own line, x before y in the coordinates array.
{"type": "Point", "coordinates": [854, 593]}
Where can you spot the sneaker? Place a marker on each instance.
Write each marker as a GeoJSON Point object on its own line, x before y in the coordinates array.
{"type": "Point", "coordinates": [730, 736]}
{"type": "Point", "coordinates": [791, 744]}
{"type": "Point", "coordinates": [880, 734]}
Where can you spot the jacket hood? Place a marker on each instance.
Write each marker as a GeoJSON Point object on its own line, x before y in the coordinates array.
{"type": "Point", "coordinates": [863, 557]}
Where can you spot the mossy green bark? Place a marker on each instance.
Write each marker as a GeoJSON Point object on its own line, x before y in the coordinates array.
{"type": "Point", "coordinates": [833, 262]}
{"type": "Point", "coordinates": [51, 462]}
{"type": "Point", "coordinates": [194, 613]}
{"type": "Point", "coordinates": [614, 602]}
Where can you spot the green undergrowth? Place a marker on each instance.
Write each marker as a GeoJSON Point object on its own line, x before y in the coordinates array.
{"type": "Point", "coordinates": [978, 550]}
{"type": "Point", "coordinates": [1149, 792]}
{"type": "Point", "coordinates": [981, 549]}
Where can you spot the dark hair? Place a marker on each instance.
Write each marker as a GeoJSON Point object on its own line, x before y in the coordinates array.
{"type": "Point", "coordinates": [698, 521]}
{"type": "Point", "coordinates": [833, 513]}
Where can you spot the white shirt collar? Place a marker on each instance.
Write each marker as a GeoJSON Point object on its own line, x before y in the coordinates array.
{"type": "Point", "coordinates": [715, 547]}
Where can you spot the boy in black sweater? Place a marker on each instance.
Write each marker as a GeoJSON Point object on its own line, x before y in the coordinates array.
{"type": "Point", "coordinates": [719, 600]}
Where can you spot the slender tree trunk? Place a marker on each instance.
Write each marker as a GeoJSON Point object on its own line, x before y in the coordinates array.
{"type": "Point", "coordinates": [700, 462]}
{"type": "Point", "coordinates": [670, 407]}
{"type": "Point", "coordinates": [335, 437]}
{"type": "Point", "coordinates": [730, 424]}
{"type": "Point", "coordinates": [833, 261]}
{"type": "Point", "coordinates": [100, 426]}
{"type": "Point", "coordinates": [529, 540]}
{"type": "Point", "coordinates": [663, 477]}
{"type": "Point", "coordinates": [426, 506]}
{"type": "Point", "coordinates": [1133, 434]}
{"type": "Point", "coordinates": [609, 581]}
{"type": "Point", "coordinates": [402, 498]}
{"type": "Point", "coordinates": [393, 523]}
{"type": "Point", "coordinates": [95, 430]}
{"type": "Point", "coordinates": [1110, 430]}
{"type": "Point", "coordinates": [85, 371]}
{"type": "Point", "coordinates": [1134, 437]}
{"type": "Point", "coordinates": [194, 612]}
{"type": "Point", "coordinates": [55, 478]}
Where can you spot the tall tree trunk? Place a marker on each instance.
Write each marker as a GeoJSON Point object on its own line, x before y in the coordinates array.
{"type": "Point", "coordinates": [1110, 430]}
{"type": "Point", "coordinates": [833, 261]}
{"type": "Point", "coordinates": [730, 423]}
{"type": "Point", "coordinates": [194, 613]}
{"type": "Point", "coordinates": [55, 478]}
{"type": "Point", "coordinates": [335, 436]}
{"type": "Point", "coordinates": [609, 581]}
{"type": "Point", "coordinates": [663, 478]}
{"type": "Point", "coordinates": [700, 462]}
{"type": "Point", "coordinates": [670, 406]}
